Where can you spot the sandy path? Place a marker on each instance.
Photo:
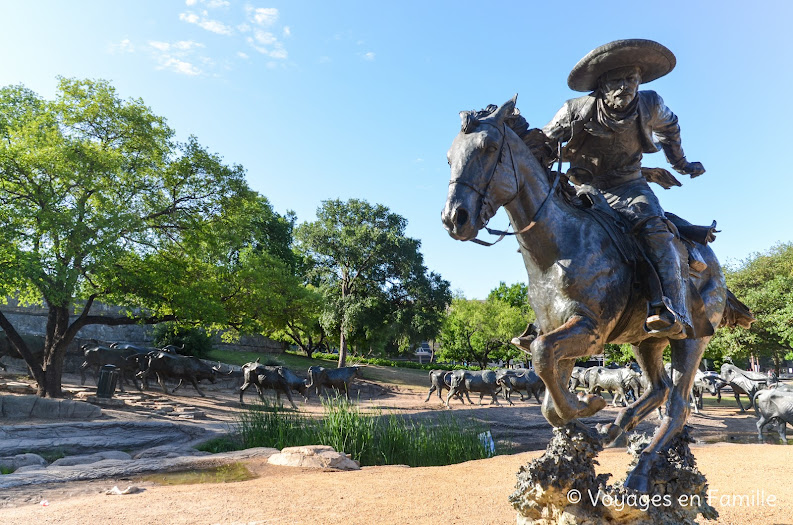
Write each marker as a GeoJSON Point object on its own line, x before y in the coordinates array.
{"type": "Point", "coordinates": [469, 493]}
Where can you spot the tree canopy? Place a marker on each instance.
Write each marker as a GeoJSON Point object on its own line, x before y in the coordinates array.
{"type": "Point", "coordinates": [377, 291]}
{"type": "Point", "coordinates": [764, 282]}
{"type": "Point", "coordinates": [98, 201]}
{"type": "Point", "coordinates": [481, 331]}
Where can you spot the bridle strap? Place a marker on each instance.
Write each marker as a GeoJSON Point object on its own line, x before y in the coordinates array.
{"type": "Point", "coordinates": [533, 221]}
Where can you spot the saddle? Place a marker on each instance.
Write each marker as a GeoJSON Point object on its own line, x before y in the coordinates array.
{"type": "Point", "coordinates": [592, 202]}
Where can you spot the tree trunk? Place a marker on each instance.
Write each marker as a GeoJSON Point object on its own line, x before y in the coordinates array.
{"type": "Point", "coordinates": [342, 348]}
{"type": "Point", "coordinates": [55, 344]}
{"type": "Point", "coordinates": [53, 370]}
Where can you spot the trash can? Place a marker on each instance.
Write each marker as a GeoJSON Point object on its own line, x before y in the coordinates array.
{"type": "Point", "coordinates": [108, 377]}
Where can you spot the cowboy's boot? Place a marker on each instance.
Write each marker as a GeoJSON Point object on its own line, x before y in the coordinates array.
{"type": "Point", "coordinates": [670, 318]}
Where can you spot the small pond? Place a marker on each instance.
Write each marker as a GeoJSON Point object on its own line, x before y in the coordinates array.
{"type": "Point", "coordinates": [222, 474]}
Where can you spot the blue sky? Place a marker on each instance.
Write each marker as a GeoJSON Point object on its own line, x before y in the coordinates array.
{"type": "Point", "coordinates": [320, 99]}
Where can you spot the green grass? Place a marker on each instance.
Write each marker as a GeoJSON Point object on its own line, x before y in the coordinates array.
{"type": "Point", "coordinates": [6, 470]}
{"type": "Point", "coordinates": [51, 455]}
{"type": "Point", "coordinates": [407, 377]}
{"type": "Point", "coordinates": [371, 439]}
{"type": "Point", "coordinates": [220, 444]}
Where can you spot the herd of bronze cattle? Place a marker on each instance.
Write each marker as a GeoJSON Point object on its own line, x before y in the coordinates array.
{"type": "Point", "coordinates": [771, 399]}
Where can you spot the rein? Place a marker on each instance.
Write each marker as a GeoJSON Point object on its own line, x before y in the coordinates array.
{"type": "Point", "coordinates": [533, 221]}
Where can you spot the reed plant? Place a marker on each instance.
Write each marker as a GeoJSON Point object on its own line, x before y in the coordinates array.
{"type": "Point", "coordinates": [378, 439]}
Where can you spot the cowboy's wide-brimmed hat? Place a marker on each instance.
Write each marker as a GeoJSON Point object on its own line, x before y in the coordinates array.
{"type": "Point", "coordinates": [654, 60]}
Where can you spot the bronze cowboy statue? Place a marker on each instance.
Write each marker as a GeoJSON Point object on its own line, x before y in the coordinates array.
{"type": "Point", "coordinates": [582, 270]}
{"type": "Point", "coordinates": [607, 131]}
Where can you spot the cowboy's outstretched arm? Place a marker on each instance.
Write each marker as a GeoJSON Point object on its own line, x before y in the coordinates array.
{"type": "Point", "coordinates": [667, 129]}
{"type": "Point", "coordinates": [559, 128]}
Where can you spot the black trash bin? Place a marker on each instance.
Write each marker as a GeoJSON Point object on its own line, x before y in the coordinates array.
{"type": "Point", "coordinates": [108, 377]}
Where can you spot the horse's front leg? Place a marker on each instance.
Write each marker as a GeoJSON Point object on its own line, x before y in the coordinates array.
{"type": "Point", "coordinates": [649, 356]}
{"type": "Point", "coordinates": [554, 355]}
{"type": "Point", "coordinates": [686, 354]}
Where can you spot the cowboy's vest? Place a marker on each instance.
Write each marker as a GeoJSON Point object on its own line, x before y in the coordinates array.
{"type": "Point", "coordinates": [615, 159]}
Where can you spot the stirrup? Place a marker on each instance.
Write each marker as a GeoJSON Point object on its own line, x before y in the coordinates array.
{"type": "Point", "coordinates": [665, 323]}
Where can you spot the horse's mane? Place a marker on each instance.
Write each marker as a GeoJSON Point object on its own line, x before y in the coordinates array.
{"type": "Point", "coordinates": [534, 138]}
{"type": "Point", "coordinates": [538, 143]}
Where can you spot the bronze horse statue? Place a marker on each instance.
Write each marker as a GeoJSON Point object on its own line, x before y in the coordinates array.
{"type": "Point", "coordinates": [580, 286]}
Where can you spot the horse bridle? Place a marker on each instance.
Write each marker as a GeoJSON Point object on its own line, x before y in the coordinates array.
{"type": "Point", "coordinates": [518, 185]}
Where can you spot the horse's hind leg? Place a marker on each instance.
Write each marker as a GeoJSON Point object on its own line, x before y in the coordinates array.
{"type": "Point", "coordinates": [649, 355]}
{"type": "Point", "coordinates": [686, 354]}
{"type": "Point", "coordinates": [554, 356]}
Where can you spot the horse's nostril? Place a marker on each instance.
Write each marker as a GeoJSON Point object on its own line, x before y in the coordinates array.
{"type": "Point", "coordinates": [462, 217]}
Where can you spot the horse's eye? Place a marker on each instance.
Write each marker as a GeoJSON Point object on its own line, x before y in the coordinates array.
{"type": "Point", "coordinates": [492, 148]}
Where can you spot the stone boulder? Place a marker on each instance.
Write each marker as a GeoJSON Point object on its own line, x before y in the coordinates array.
{"type": "Point", "coordinates": [314, 456]}
{"type": "Point", "coordinates": [13, 463]}
{"type": "Point", "coordinates": [24, 407]}
{"type": "Point", "coordinates": [87, 459]}
{"type": "Point", "coordinates": [89, 437]}
{"type": "Point", "coordinates": [169, 451]}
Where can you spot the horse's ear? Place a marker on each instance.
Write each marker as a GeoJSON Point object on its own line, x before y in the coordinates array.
{"type": "Point", "coordinates": [507, 109]}
{"type": "Point", "coordinates": [469, 121]}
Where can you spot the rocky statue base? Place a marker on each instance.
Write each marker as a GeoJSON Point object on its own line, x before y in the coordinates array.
{"type": "Point", "coordinates": [561, 487]}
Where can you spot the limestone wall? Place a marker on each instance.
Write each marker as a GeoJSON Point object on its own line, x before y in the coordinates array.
{"type": "Point", "coordinates": [32, 320]}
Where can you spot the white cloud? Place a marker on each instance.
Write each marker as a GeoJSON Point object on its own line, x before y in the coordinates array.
{"type": "Point", "coordinates": [274, 50]}
{"type": "Point", "coordinates": [264, 37]}
{"type": "Point", "coordinates": [216, 27]}
{"type": "Point", "coordinates": [263, 16]}
{"type": "Point", "coordinates": [279, 52]}
{"type": "Point", "coordinates": [178, 66]}
{"type": "Point", "coordinates": [125, 46]}
{"type": "Point", "coordinates": [161, 46]}
{"type": "Point", "coordinates": [190, 18]}
{"type": "Point", "coordinates": [187, 45]}
{"type": "Point", "coordinates": [257, 27]}
{"type": "Point", "coordinates": [211, 4]}
{"type": "Point", "coordinates": [179, 56]}
{"type": "Point", "coordinates": [203, 22]}
{"type": "Point", "coordinates": [368, 56]}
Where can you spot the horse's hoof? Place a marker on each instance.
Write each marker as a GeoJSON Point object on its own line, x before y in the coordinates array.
{"type": "Point", "coordinates": [524, 343]}
{"type": "Point", "coordinates": [589, 404]}
{"type": "Point", "coordinates": [610, 434]}
{"type": "Point", "coordinates": [638, 482]}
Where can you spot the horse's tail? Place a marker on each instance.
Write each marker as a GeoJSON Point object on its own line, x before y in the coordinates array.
{"type": "Point", "coordinates": [736, 313]}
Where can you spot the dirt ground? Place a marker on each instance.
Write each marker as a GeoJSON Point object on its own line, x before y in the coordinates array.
{"type": "Point", "coordinates": [750, 483]}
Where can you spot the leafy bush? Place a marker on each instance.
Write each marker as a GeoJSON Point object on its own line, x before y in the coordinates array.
{"type": "Point", "coordinates": [379, 361]}
{"type": "Point", "coordinates": [195, 339]}
{"type": "Point", "coordinates": [221, 444]}
{"type": "Point", "coordinates": [370, 439]}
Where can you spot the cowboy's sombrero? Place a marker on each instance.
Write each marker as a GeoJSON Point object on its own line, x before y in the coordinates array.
{"type": "Point", "coordinates": [654, 60]}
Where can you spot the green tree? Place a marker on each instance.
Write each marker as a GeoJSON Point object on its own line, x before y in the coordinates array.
{"type": "Point", "coordinates": [301, 313]}
{"type": "Point", "coordinates": [99, 202]}
{"type": "Point", "coordinates": [194, 340]}
{"type": "Point", "coordinates": [516, 295]}
{"type": "Point", "coordinates": [620, 354]}
{"type": "Point", "coordinates": [764, 282]}
{"type": "Point", "coordinates": [480, 331]}
{"type": "Point", "coordinates": [370, 272]}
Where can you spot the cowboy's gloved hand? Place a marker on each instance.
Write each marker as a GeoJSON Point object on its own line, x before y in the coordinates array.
{"type": "Point", "coordinates": [695, 169]}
